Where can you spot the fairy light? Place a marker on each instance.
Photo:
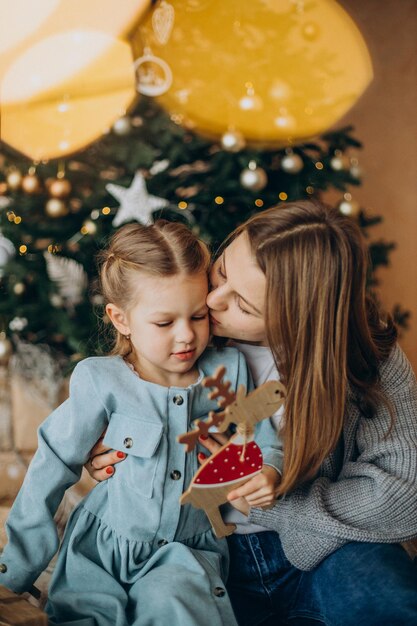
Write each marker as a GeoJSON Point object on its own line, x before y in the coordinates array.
{"type": "Point", "coordinates": [283, 196]}
{"type": "Point", "coordinates": [218, 200]}
{"type": "Point", "coordinates": [310, 189]}
{"type": "Point", "coordinates": [23, 249]}
{"type": "Point", "coordinates": [106, 210]}
{"type": "Point", "coordinates": [17, 219]}
{"type": "Point", "coordinates": [259, 202]}
{"type": "Point", "coordinates": [319, 165]}
{"type": "Point", "coordinates": [182, 205]}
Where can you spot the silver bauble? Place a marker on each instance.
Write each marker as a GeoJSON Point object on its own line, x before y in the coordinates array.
{"type": "Point", "coordinates": [292, 163]}
{"type": "Point", "coordinates": [122, 126]}
{"type": "Point", "coordinates": [253, 179]}
{"type": "Point", "coordinates": [7, 250]}
{"type": "Point", "coordinates": [350, 208]}
{"type": "Point", "coordinates": [233, 141]}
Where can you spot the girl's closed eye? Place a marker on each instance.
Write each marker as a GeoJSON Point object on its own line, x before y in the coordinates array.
{"type": "Point", "coordinates": [162, 324]}
{"type": "Point", "coordinates": [198, 318]}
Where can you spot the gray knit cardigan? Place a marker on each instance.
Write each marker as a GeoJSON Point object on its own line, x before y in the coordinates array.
{"type": "Point", "coordinates": [366, 490]}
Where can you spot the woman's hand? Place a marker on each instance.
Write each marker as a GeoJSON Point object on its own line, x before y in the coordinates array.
{"type": "Point", "coordinates": [101, 461]}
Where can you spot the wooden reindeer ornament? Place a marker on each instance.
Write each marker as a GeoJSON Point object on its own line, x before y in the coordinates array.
{"type": "Point", "coordinates": [240, 458]}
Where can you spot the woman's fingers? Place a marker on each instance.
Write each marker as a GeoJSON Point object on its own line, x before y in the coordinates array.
{"type": "Point", "coordinates": [99, 447]}
{"type": "Point", "coordinates": [101, 474]}
{"type": "Point", "coordinates": [212, 444]}
{"type": "Point", "coordinates": [107, 458]}
{"type": "Point", "coordinates": [100, 467]}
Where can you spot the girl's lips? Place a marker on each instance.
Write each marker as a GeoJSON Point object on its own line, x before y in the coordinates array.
{"type": "Point", "coordinates": [185, 356]}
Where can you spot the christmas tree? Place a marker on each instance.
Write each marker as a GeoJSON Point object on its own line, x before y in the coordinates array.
{"type": "Point", "coordinates": [55, 216]}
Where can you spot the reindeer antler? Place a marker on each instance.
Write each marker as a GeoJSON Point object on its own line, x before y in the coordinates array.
{"type": "Point", "coordinates": [202, 427]}
{"type": "Point", "coordinates": [221, 388]}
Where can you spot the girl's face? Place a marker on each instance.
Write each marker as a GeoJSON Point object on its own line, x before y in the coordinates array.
{"type": "Point", "coordinates": [236, 299]}
{"type": "Point", "coordinates": [168, 327]}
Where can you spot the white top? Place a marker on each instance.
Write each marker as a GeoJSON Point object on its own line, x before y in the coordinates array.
{"type": "Point", "coordinates": [262, 367]}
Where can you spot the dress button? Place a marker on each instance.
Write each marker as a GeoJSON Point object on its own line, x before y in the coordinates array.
{"type": "Point", "coordinates": [178, 400]}
{"type": "Point", "coordinates": [162, 542]}
{"type": "Point", "coordinates": [128, 442]}
{"type": "Point", "coordinates": [3, 568]}
{"type": "Point", "coordinates": [175, 474]}
{"type": "Point", "coordinates": [219, 592]}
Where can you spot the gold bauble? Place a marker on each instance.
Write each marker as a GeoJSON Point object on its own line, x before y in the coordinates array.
{"type": "Point", "coordinates": [56, 208]}
{"type": "Point", "coordinates": [89, 228]}
{"type": "Point", "coordinates": [31, 184]}
{"type": "Point", "coordinates": [6, 349]}
{"type": "Point", "coordinates": [59, 188]}
{"type": "Point", "coordinates": [14, 180]}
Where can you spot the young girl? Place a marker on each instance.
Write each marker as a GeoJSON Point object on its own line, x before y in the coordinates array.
{"type": "Point", "coordinates": [289, 287]}
{"type": "Point", "coordinates": [131, 554]}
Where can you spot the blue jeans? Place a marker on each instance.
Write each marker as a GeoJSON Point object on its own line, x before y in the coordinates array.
{"type": "Point", "coordinates": [361, 584]}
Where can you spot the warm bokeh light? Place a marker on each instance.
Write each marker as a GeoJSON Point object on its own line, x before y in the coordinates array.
{"type": "Point", "coordinates": [278, 71]}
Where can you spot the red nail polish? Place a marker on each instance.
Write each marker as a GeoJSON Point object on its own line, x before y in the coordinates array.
{"type": "Point", "coordinates": [203, 437]}
{"type": "Point", "coordinates": [109, 470]}
{"type": "Point", "coordinates": [201, 456]}
{"type": "Point", "coordinates": [121, 455]}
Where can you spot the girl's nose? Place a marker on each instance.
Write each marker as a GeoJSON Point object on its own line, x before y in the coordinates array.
{"type": "Point", "coordinates": [185, 334]}
{"type": "Point", "coordinates": [216, 299]}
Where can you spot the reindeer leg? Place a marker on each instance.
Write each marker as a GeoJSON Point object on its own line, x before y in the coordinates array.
{"type": "Point", "coordinates": [219, 527]}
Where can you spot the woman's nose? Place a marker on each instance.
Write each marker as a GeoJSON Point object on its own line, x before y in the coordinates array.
{"type": "Point", "coordinates": [216, 299]}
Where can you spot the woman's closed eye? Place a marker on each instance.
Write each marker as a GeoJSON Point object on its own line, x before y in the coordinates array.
{"type": "Point", "coordinates": [240, 306]}
{"type": "Point", "coordinates": [220, 272]}
{"type": "Point", "coordinates": [162, 324]}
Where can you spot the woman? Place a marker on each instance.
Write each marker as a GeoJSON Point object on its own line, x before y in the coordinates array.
{"type": "Point", "coordinates": [292, 279]}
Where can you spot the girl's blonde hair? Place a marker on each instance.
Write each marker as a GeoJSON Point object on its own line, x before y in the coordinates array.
{"type": "Point", "coordinates": [324, 332]}
{"type": "Point", "coordinates": [161, 249]}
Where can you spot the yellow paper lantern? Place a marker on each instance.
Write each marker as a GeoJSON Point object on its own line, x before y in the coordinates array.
{"type": "Point", "coordinates": [62, 84]}
{"type": "Point", "coordinates": [277, 71]}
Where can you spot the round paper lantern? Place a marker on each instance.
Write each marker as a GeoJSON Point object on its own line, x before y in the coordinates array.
{"type": "Point", "coordinates": [64, 92]}
{"type": "Point", "coordinates": [63, 84]}
{"type": "Point", "coordinates": [276, 71]}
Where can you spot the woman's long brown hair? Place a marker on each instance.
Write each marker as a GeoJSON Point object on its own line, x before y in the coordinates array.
{"type": "Point", "coordinates": [323, 331]}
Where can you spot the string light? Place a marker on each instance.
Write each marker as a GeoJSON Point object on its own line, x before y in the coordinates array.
{"type": "Point", "coordinates": [218, 200]}
{"type": "Point", "coordinates": [23, 249]}
{"type": "Point", "coordinates": [259, 202]}
{"type": "Point", "coordinates": [106, 210]}
{"type": "Point", "coordinates": [310, 189]}
{"type": "Point", "coordinates": [182, 205]}
{"type": "Point", "coordinates": [319, 165]}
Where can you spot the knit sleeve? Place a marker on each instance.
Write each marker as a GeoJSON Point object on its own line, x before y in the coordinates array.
{"type": "Point", "coordinates": [374, 496]}
{"type": "Point", "coordinates": [64, 441]}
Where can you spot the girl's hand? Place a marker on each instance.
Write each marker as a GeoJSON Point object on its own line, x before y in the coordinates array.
{"type": "Point", "coordinates": [259, 491]}
{"type": "Point", "coordinates": [101, 461]}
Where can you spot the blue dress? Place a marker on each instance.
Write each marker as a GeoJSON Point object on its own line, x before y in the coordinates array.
{"type": "Point", "coordinates": [131, 554]}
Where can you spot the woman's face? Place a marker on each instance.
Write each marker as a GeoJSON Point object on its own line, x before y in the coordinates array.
{"type": "Point", "coordinates": [236, 299]}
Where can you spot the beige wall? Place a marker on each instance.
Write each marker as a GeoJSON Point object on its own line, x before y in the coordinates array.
{"type": "Point", "coordinates": [385, 121]}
